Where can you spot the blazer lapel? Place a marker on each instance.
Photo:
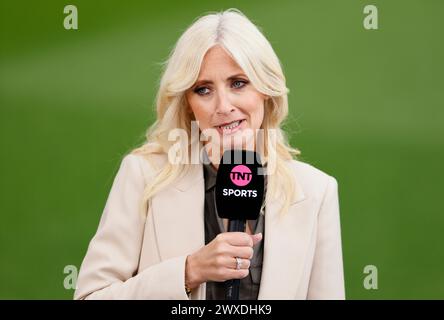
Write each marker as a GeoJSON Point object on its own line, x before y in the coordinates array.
{"type": "Point", "coordinates": [178, 215]}
{"type": "Point", "coordinates": [287, 238]}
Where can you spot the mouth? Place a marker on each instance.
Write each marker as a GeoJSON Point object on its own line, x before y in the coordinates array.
{"type": "Point", "coordinates": [230, 127]}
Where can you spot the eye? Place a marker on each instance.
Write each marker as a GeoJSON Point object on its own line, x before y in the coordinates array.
{"type": "Point", "coordinates": [237, 84]}
{"type": "Point", "coordinates": [202, 91]}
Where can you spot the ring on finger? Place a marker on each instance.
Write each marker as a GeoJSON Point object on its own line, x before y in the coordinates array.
{"type": "Point", "coordinates": [238, 263]}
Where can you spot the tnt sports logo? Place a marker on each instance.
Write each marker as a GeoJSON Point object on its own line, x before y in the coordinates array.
{"type": "Point", "coordinates": [241, 175]}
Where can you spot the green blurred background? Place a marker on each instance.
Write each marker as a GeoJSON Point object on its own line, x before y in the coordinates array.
{"type": "Point", "coordinates": [366, 107]}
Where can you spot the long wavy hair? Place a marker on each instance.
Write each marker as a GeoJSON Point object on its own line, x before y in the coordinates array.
{"type": "Point", "coordinates": [232, 30]}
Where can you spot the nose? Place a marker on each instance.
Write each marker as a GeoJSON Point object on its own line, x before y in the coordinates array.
{"type": "Point", "coordinates": [223, 104]}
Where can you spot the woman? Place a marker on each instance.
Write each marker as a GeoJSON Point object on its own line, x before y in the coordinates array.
{"type": "Point", "coordinates": [159, 236]}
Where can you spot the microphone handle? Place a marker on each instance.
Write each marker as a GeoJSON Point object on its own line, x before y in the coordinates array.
{"type": "Point", "coordinates": [232, 286]}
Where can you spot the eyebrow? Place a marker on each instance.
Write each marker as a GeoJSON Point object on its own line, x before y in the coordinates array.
{"type": "Point", "coordinates": [204, 81]}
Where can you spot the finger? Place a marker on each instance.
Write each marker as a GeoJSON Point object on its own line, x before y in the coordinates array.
{"type": "Point", "coordinates": [256, 238]}
{"type": "Point", "coordinates": [236, 274]}
{"type": "Point", "coordinates": [238, 238]}
{"type": "Point", "coordinates": [231, 263]}
{"type": "Point", "coordinates": [241, 252]}
{"type": "Point", "coordinates": [244, 263]}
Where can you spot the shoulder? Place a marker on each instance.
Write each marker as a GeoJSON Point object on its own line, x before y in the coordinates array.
{"type": "Point", "coordinates": [142, 165]}
{"type": "Point", "coordinates": [314, 182]}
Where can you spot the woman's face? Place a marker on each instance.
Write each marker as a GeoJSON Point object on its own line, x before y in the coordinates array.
{"type": "Point", "coordinates": [223, 99]}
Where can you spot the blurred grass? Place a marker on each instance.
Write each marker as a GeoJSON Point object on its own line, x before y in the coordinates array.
{"type": "Point", "coordinates": [366, 107]}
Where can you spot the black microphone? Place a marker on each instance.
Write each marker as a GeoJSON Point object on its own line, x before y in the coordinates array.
{"type": "Point", "coordinates": [239, 196]}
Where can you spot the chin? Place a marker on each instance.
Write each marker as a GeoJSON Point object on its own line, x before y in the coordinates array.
{"type": "Point", "coordinates": [241, 140]}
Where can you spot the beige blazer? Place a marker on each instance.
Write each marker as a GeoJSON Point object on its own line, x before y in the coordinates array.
{"type": "Point", "coordinates": [136, 257]}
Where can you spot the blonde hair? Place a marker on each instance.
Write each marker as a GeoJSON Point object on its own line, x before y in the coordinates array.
{"type": "Point", "coordinates": [251, 50]}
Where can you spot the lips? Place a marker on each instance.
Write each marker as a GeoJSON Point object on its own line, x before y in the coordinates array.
{"type": "Point", "coordinates": [228, 123]}
{"type": "Point", "coordinates": [230, 127]}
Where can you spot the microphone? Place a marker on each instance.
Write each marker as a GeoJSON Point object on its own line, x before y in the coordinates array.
{"type": "Point", "coordinates": [239, 196]}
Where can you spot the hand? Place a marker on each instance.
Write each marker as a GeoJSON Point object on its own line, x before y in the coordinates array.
{"type": "Point", "coordinates": [216, 261]}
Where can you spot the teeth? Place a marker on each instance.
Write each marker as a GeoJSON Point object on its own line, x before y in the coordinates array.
{"type": "Point", "coordinates": [231, 125]}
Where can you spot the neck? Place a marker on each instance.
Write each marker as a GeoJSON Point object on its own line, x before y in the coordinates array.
{"type": "Point", "coordinates": [215, 166]}
{"type": "Point", "coordinates": [214, 161]}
